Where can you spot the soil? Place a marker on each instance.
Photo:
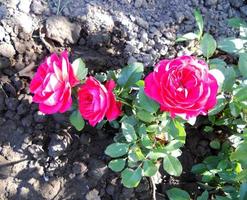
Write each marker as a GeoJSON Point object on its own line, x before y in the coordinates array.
{"type": "Point", "coordinates": [43, 157]}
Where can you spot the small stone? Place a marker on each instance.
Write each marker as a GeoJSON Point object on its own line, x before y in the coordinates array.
{"type": "Point", "coordinates": [25, 21]}
{"type": "Point", "coordinates": [23, 108]}
{"type": "Point", "coordinates": [7, 50]}
{"type": "Point", "coordinates": [24, 6]}
{"type": "Point", "coordinates": [93, 195]}
{"type": "Point", "coordinates": [131, 60]}
{"type": "Point", "coordinates": [2, 33]}
{"type": "Point", "coordinates": [97, 169]}
{"type": "Point", "coordinates": [110, 189]}
{"type": "Point", "coordinates": [141, 22]}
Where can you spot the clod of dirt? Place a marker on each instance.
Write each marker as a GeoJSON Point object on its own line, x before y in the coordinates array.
{"type": "Point", "coordinates": [60, 29]}
{"type": "Point", "coordinates": [58, 144]}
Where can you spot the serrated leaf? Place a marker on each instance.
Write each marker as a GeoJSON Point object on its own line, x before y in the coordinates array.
{"type": "Point", "coordinates": [128, 132]}
{"type": "Point", "coordinates": [130, 74]}
{"type": "Point", "coordinates": [177, 194]}
{"type": "Point", "coordinates": [149, 168]}
{"type": "Point", "coordinates": [131, 178]}
{"type": "Point", "coordinates": [77, 121]}
{"type": "Point", "coordinates": [232, 45]}
{"type": "Point", "coordinates": [146, 103]}
{"type": "Point", "coordinates": [79, 69]}
{"type": "Point", "coordinates": [117, 165]}
{"type": "Point", "coordinates": [172, 165]}
{"type": "Point", "coordinates": [242, 64]}
{"type": "Point", "coordinates": [187, 36]}
{"type": "Point", "coordinates": [208, 45]}
{"type": "Point", "coordinates": [117, 150]}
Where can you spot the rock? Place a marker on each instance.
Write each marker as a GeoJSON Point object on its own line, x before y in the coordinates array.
{"type": "Point", "coordinates": [236, 3]}
{"type": "Point", "coordinates": [7, 50]}
{"type": "Point", "coordinates": [93, 195]}
{"type": "Point", "coordinates": [2, 100]}
{"type": "Point", "coordinates": [97, 169]}
{"type": "Point", "coordinates": [3, 11]}
{"type": "Point", "coordinates": [2, 33]}
{"type": "Point", "coordinates": [24, 6]}
{"type": "Point", "coordinates": [58, 145]}
{"type": "Point", "coordinates": [60, 29]}
{"type": "Point", "coordinates": [243, 9]}
{"type": "Point", "coordinates": [36, 151]}
{"type": "Point", "coordinates": [4, 62]}
{"type": "Point", "coordinates": [110, 189]}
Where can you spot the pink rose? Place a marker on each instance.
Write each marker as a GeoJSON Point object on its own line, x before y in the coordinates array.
{"type": "Point", "coordinates": [97, 101]}
{"type": "Point", "coordinates": [52, 84]}
{"type": "Point", "coordinates": [182, 86]}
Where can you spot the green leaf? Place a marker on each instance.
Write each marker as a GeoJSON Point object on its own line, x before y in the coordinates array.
{"type": "Point", "coordinates": [149, 168]}
{"type": "Point", "coordinates": [242, 64]}
{"type": "Point", "coordinates": [221, 198]}
{"type": "Point", "coordinates": [242, 176]}
{"type": "Point", "coordinates": [172, 165]}
{"type": "Point", "coordinates": [187, 36]}
{"type": "Point", "coordinates": [215, 63]}
{"type": "Point", "coordinates": [208, 45]}
{"type": "Point", "coordinates": [177, 194]}
{"type": "Point", "coordinates": [215, 144]}
{"type": "Point", "coordinates": [77, 121]}
{"type": "Point", "coordinates": [131, 178]}
{"type": "Point", "coordinates": [173, 145]}
{"type": "Point", "coordinates": [230, 76]}
{"type": "Point", "coordinates": [204, 196]}
{"type": "Point", "coordinates": [199, 21]}
{"type": "Point", "coordinates": [176, 129]}
{"type": "Point", "coordinates": [240, 153]}
{"type": "Point", "coordinates": [235, 108]}
{"type": "Point", "coordinates": [232, 45]}
{"type": "Point", "coordinates": [117, 150]}
{"type": "Point", "coordinates": [128, 132]}
{"type": "Point", "coordinates": [79, 69]}
{"type": "Point", "coordinates": [241, 94]}
{"type": "Point", "coordinates": [146, 103]}
{"type": "Point", "coordinates": [243, 191]}
{"type": "Point", "coordinates": [199, 168]}
{"type": "Point", "coordinates": [236, 22]}
{"type": "Point", "coordinates": [130, 74]}
{"type": "Point", "coordinates": [117, 165]}
{"type": "Point", "coordinates": [221, 103]}
{"type": "Point", "coordinates": [145, 116]}
{"type": "Point", "coordinates": [146, 142]}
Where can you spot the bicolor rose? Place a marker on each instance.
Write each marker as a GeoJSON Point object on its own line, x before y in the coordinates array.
{"type": "Point", "coordinates": [182, 86]}
{"type": "Point", "coordinates": [97, 101]}
{"type": "Point", "coordinates": [52, 83]}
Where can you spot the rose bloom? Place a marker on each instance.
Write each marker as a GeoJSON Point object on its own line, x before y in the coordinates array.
{"type": "Point", "coordinates": [52, 83]}
{"type": "Point", "coordinates": [97, 101]}
{"type": "Point", "coordinates": [182, 86]}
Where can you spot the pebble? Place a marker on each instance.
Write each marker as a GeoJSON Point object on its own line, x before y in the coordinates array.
{"type": "Point", "coordinates": [236, 3]}
{"type": "Point", "coordinates": [211, 2]}
{"type": "Point", "coordinates": [93, 195]}
{"type": "Point", "coordinates": [7, 50]}
{"type": "Point", "coordinates": [243, 9]}
{"type": "Point", "coordinates": [27, 121]}
{"type": "Point", "coordinates": [79, 168]}
{"type": "Point", "coordinates": [24, 6]}
{"type": "Point", "coordinates": [138, 3]}
{"type": "Point", "coordinates": [11, 103]}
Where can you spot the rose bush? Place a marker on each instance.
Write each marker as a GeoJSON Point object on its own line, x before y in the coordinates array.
{"type": "Point", "coordinates": [52, 84]}
{"type": "Point", "coordinates": [97, 101]}
{"type": "Point", "coordinates": [182, 86]}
